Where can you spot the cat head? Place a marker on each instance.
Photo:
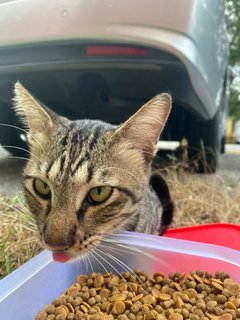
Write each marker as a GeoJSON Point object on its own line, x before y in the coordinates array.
{"type": "Point", "coordinates": [86, 178]}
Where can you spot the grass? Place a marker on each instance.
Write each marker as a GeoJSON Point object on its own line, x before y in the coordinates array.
{"type": "Point", "coordinates": [201, 199]}
{"type": "Point", "coordinates": [18, 237]}
{"type": "Point", "coordinates": [198, 199]}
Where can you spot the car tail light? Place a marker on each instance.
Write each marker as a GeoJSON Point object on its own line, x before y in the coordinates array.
{"type": "Point", "coordinates": [100, 50]}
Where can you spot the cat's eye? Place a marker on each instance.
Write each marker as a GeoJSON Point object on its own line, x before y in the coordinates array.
{"type": "Point", "coordinates": [41, 188]}
{"type": "Point", "coordinates": [99, 194]}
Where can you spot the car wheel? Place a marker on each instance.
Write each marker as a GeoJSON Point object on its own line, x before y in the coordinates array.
{"type": "Point", "coordinates": [205, 145]}
{"type": "Point", "coordinates": [10, 137]}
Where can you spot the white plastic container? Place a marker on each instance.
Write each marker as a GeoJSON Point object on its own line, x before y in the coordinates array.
{"type": "Point", "coordinates": [27, 290]}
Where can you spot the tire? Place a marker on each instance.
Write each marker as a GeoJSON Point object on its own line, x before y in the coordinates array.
{"type": "Point", "coordinates": [9, 136]}
{"type": "Point", "coordinates": [205, 145]}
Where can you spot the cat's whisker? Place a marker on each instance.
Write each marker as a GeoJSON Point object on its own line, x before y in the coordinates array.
{"type": "Point", "coordinates": [25, 150]}
{"type": "Point", "coordinates": [16, 157]}
{"type": "Point", "coordinates": [27, 213]}
{"type": "Point", "coordinates": [109, 248]}
{"type": "Point", "coordinates": [89, 261]}
{"type": "Point", "coordinates": [94, 257]}
{"type": "Point", "coordinates": [123, 246]}
{"type": "Point", "coordinates": [25, 131]}
{"type": "Point", "coordinates": [117, 250]}
{"type": "Point", "coordinates": [83, 260]}
{"type": "Point", "coordinates": [12, 207]}
{"type": "Point", "coordinates": [122, 265]}
{"type": "Point", "coordinates": [119, 273]}
{"type": "Point", "coordinates": [24, 210]}
{"type": "Point", "coordinates": [150, 256]}
{"type": "Point", "coordinates": [138, 237]}
{"type": "Point", "coordinates": [134, 235]}
{"type": "Point", "coordinates": [22, 206]}
{"type": "Point", "coordinates": [136, 250]}
{"type": "Point", "coordinates": [88, 266]}
{"type": "Point", "coordinates": [21, 243]}
{"type": "Point", "coordinates": [22, 215]}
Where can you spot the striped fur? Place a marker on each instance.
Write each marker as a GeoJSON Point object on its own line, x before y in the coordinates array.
{"type": "Point", "coordinates": [74, 156]}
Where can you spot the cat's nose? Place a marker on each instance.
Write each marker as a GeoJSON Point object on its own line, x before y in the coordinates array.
{"type": "Point", "coordinates": [59, 238]}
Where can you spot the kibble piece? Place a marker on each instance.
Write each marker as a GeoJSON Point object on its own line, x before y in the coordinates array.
{"type": "Point", "coordinates": [98, 281]}
{"type": "Point", "coordinates": [175, 316]}
{"type": "Point", "coordinates": [123, 317]}
{"type": "Point", "coordinates": [62, 310]}
{"type": "Point", "coordinates": [161, 317]}
{"type": "Point", "coordinates": [114, 281]}
{"type": "Point", "coordinates": [89, 282]}
{"type": "Point", "coordinates": [178, 302]}
{"type": "Point", "coordinates": [167, 304]}
{"type": "Point", "coordinates": [225, 316]}
{"type": "Point", "coordinates": [134, 308]}
{"type": "Point", "coordinates": [84, 308]}
{"type": "Point", "coordinates": [235, 301]}
{"type": "Point", "coordinates": [217, 286]}
{"type": "Point", "coordinates": [60, 317]}
{"type": "Point", "coordinates": [185, 313]}
{"type": "Point", "coordinates": [118, 296]}
{"type": "Point", "coordinates": [149, 299]}
{"type": "Point", "coordinates": [192, 293]}
{"type": "Point", "coordinates": [221, 298]}
{"type": "Point", "coordinates": [133, 286]}
{"type": "Point", "coordinates": [42, 315]}
{"type": "Point", "coordinates": [230, 305]}
{"type": "Point", "coordinates": [104, 293]}
{"type": "Point", "coordinates": [226, 293]}
{"type": "Point", "coordinates": [91, 301]}
{"type": "Point", "coordinates": [82, 278]}
{"type": "Point", "coordinates": [156, 292]}
{"type": "Point", "coordinates": [85, 295]}
{"type": "Point", "coordinates": [164, 297]}
{"type": "Point", "coordinates": [118, 307]}
{"type": "Point", "coordinates": [71, 316]}
{"type": "Point", "coordinates": [50, 309]}
{"type": "Point", "coordinates": [211, 305]}
{"type": "Point", "coordinates": [122, 286]}
{"type": "Point", "coordinates": [149, 316]}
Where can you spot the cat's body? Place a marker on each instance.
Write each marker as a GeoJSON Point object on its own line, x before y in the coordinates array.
{"type": "Point", "coordinates": [87, 178]}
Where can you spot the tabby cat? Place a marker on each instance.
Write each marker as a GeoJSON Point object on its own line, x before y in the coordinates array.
{"type": "Point", "coordinates": [88, 178]}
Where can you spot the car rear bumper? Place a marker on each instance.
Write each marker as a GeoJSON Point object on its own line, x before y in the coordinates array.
{"type": "Point", "coordinates": [29, 23]}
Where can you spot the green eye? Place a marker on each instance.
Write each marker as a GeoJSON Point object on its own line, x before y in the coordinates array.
{"type": "Point", "coordinates": [99, 194]}
{"type": "Point", "coordinates": [41, 188]}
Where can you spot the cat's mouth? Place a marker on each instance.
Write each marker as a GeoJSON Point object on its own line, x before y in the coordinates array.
{"type": "Point", "coordinates": [61, 256]}
{"type": "Point", "coordinates": [73, 253]}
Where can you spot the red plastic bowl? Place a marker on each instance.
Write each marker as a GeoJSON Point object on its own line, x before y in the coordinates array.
{"type": "Point", "coordinates": [222, 234]}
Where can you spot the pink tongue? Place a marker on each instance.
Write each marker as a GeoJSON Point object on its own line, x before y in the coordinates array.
{"type": "Point", "coordinates": [60, 256]}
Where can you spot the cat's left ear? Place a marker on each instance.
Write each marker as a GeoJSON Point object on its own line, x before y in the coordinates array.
{"type": "Point", "coordinates": [38, 119]}
{"type": "Point", "coordinates": [143, 129]}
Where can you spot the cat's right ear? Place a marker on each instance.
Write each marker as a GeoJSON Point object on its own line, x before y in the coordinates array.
{"type": "Point", "coordinates": [38, 119]}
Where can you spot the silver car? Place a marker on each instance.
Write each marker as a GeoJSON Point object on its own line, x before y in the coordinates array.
{"type": "Point", "coordinates": [105, 58]}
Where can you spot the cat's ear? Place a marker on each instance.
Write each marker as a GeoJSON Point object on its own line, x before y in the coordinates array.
{"type": "Point", "coordinates": [143, 129]}
{"type": "Point", "coordinates": [38, 119]}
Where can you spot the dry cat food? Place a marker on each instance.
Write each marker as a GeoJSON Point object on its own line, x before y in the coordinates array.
{"type": "Point", "coordinates": [137, 296]}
